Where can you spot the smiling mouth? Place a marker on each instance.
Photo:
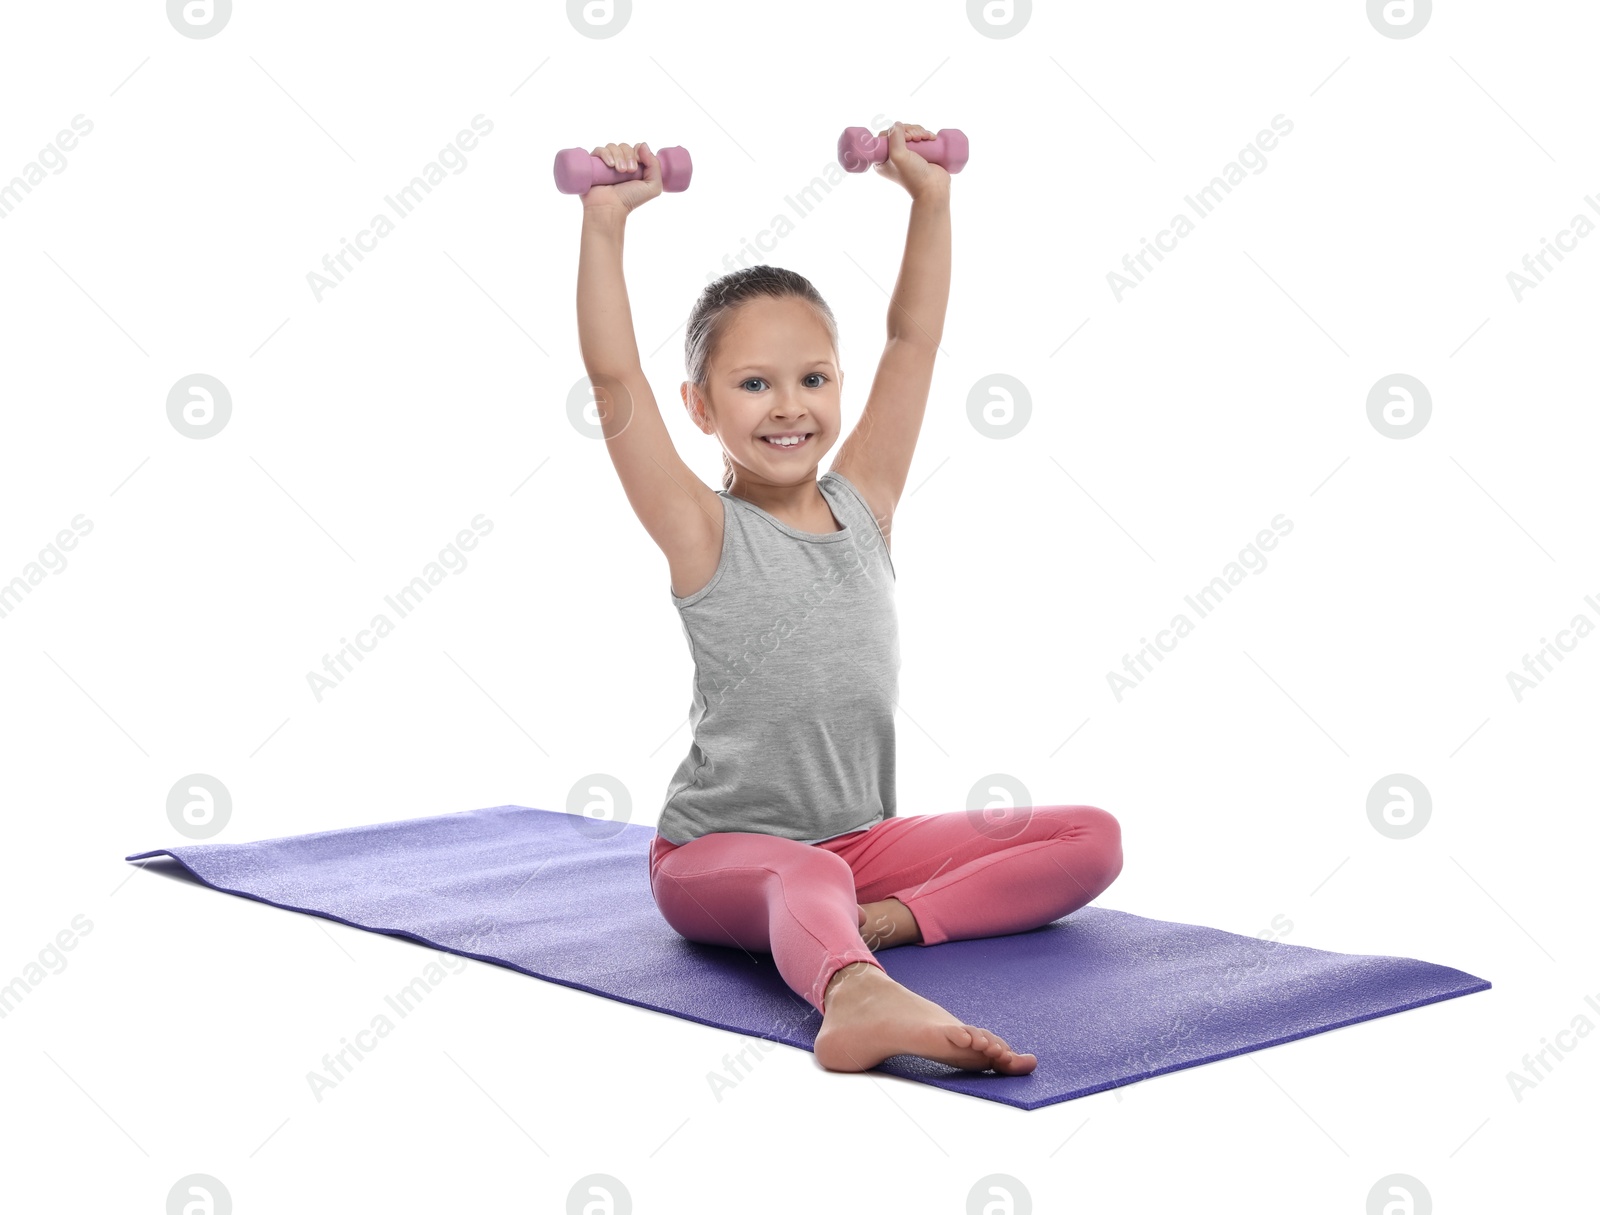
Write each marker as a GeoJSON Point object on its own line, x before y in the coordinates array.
{"type": "Point", "coordinates": [792, 445]}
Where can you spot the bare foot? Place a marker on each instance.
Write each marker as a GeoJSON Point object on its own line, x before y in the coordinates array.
{"type": "Point", "coordinates": [886, 923]}
{"type": "Point", "coordinates": [868, 1017]}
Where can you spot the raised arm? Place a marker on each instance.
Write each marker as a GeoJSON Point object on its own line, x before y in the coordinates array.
{"type": "Point", "coordinates": [681, 513]}
{"type": "Point", "coordinates": [876, 458]}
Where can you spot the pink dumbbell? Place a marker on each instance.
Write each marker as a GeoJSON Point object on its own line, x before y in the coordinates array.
{"type": "Point", "coordinates": [577, 170]}
{"type": "Point", "coordinates": [859, 148]}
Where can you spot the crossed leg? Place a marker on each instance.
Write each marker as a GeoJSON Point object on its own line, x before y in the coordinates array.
{"type": "Point", "coordinates": [965, 875]}
{"type": "Point", "coordinates": [959, 875]}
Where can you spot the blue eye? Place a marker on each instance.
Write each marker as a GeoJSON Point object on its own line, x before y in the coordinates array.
{"type": "Point", "coordinates": [815, 375]}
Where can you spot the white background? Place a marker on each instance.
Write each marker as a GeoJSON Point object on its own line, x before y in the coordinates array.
{"type": "Point", "coordinates": [432, 385]}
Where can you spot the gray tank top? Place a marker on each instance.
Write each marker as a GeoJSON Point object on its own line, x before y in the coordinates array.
{"type": "Point", "coordinates": [796, 653]}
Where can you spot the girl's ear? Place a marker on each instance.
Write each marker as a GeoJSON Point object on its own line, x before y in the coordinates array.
{"type": "Point", "coordinates": [690, 402]}
{"type": "Point", "coordinates": [699, 410]}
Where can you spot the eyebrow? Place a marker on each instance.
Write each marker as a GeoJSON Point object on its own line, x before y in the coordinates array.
{"type": "Point", "coordinates": [824, 362]}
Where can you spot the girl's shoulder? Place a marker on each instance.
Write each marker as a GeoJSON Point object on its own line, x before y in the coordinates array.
{"type": "Point", "coordinates": [871, 500]}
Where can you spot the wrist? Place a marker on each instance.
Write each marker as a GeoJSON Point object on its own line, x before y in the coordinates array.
{"type": "Point", "coordinates": [608, 217]}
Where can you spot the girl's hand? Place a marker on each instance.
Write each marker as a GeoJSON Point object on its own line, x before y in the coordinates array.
{"type": "Point", "coordinates": [626, 195]}
{"type": "Point", "coordinates": [919, 177]}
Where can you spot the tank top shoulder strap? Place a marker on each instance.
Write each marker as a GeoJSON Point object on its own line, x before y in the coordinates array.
{"type": "Point", "coordinates": [856, 513]}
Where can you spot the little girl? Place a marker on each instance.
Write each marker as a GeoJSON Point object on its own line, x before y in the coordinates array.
{"type": "Point", "coordinates": [781, 821]}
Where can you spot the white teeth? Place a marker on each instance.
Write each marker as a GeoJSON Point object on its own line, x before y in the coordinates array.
{"type": "Point", "coordinates": [785, 442]}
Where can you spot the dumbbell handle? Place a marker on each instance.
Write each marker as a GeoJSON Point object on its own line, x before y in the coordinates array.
{"type": "Point", "coordinates": [859, 148]}
{"type": "Point", "coordinates": [576, 170]}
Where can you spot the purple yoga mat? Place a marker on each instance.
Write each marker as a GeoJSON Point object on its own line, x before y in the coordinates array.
{"type": "Point", "coordinates": [1103, 998]}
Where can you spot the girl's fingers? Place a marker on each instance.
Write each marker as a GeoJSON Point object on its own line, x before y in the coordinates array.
{"type": "Point", "coordinates": [911, 130]}
{"type": "Point", "coordinates": [619, 156]}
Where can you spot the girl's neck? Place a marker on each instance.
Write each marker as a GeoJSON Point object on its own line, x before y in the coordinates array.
{"type": "Point", "coordinates": [801, 506]}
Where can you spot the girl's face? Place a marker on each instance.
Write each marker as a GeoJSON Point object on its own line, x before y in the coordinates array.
{"type": "Point", "coordinates": [774, 374]}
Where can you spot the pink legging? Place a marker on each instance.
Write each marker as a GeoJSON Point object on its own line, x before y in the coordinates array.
{"type": "Point", "coordinates": [963, 875]}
